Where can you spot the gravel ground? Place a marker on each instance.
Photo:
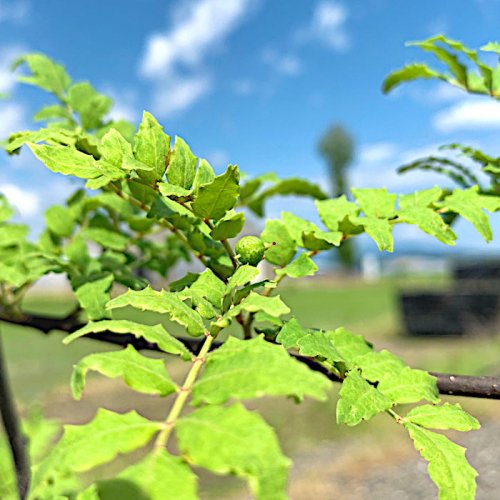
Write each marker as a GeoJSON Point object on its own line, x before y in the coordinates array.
{"type": "Point", "coordinates": [340, 473]}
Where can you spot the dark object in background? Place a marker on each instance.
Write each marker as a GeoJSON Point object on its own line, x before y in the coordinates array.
{"type": "Point", "coordinates": [471, 306]}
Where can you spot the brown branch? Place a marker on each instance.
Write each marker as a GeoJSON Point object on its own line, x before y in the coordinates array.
{"type": "Point", "coordinates": [454, 385]}
{"type": "Point", "coordinates": [16, 439]}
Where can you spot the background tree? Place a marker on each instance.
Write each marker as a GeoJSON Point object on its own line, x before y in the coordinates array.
{"type": "Point", "coordinates": [337, 148]}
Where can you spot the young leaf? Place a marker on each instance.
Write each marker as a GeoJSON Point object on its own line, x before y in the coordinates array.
{"type": "Point", "coordinates": [359, 400]}
{"type": "Point", "coordinates": [59, 220]}
{"type": "Point", "coordinates": [228, 227]}
{"type": "Point", "coordinates": [204, 175]}
{"type": "Point", "coordinates": [447, 416]}
{"type": "Point", "coordinates": [84, 447]}
{"type": "Point", "coordinates": [246, 369]}
{"type": "Point", "coordinates": [322, 240]}
{"type": "Point", "coordinates": [142, 374]}
{"type": "Point", "coordinates": [271, 305]}
{"type": "Point", "coordinates": [409, 386]}
{"type": "Point", "coordinates": [151, 146]}
{"type": "Point", "coordinates": [376, 202]}
{"type": "Point", "coordinates": [291, 333]}
{"type": "Point", "coordinates": [115, 148]}
{"type": "Point", "coordinates": [161, 302]}
{"type": "Point", "coordinates": [210, 287]}
{"type": "Point", "coordinates": [408, 73]}
{"type": "Point", "coordinates": [333, 212]}
{"type": "Point", "coordinates": [182, 166]}
{"type": "Point", "coordinates": [283, 245]}
{"type": "Point", "coordinates": [154, 334]}
{"type": "Point", "coordinates": [232, 440]}
{"type": "Point", "coordinates": [376, 365]}
{"type": "Point", "coordinates": [380, 231]}
{"type": "Point", "coordinates": [160, 474]}
{"type": "Point", "coordinates": [89, 104]}
{"type": "Point", "coordinates": [448, 467]}
{"type": "Point", "coordinates": [213, 200]}
{"type": "Point", "coordinates": [12, 234]}
{"type": "Point", "coordinates": [94, 295]}
{"type": "Point", "coordinates": [348, 345]}
{"type": "Point", "coordinates": [319, 344]}
{"type": "Point", "coordinates": [297, 226]}
{"type": "Point", "coordinates": [243, 275]}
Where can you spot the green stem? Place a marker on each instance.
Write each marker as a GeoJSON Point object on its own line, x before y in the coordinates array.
{"type": "Point", "coordinates": [184, 393]}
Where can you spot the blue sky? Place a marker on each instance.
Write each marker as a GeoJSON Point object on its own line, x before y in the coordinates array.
{"type": "Point", "coordinates": [255, 82]}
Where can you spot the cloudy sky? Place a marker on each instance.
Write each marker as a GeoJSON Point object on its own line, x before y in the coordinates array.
{"type": "Point", "coordinates": [254, 82]}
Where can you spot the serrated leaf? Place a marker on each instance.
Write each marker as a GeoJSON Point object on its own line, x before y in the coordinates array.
{"type": "Point", "coordinates": [165, 208]}
{"type": "Point", "coordinates": [204, 175]}
{"type": "Point", "coordinates": [93, 297]}
{"type": "Point", "coordinates": [283, 245]}
{"type": "Point", "coordinates": [228, 227]}
{"type": "Point", "coordinates": [297, 226]}
{"type": "Point", "coordinates": [59, 220]}
{"type": "Point", "coordinates": [409, 386]}
{"type": "Point", "coordinates": [302, 266]}
{"type": "Point", "coordinates": [89, 104]}
{"type": "Point", "coordinates": [115, 148]}
{"type": "Point", "coordinates": [182, 165]}
{"type": "Point", "coordinates": [151, 146]}
{"type": "Point", "coordinates": [319, 344]}
{"type": "Point", "coordinates": [161, 302]}
{"type": "Point", "coordinates": [212, 438]}
{"type": "Point", "coordinates": [322, 240]}
{"type": "Point", "coordinates": [291, 333]}
{"type": "Point", "coordinates": [210, 287]}
{"type": "Point", "coordinates": [469, 204]}
{"type": "Point", "coordinates": [141, 374]}
{"type": "Point", "coordinates": [359, 400]}
{"type": "Point", "coordinates": [246, 369]}
{"type": "Point", "coordinates": [46, 74]}
{"type": "Point", "coordinates": [243, 275]}
{"type": "Point", "coordinates": [447, 416]}
{"type": "Point", "coordinates": [106, 238]}
{"type": "Point", "coordinates": [213, 200]}
{"type": "Point", "coordinates": [376, 365]}
{"type": "Point", "coordinates": [173, 190]}
{"type": "Point", "coordinates": [448, 467]}
{"type": "Point", "coordinates": [160, 474]}
{"type": "Point", "coordinates": [408, 73]}
{"type": "Point", "coordinates": [333, 212]}
{"type": "Point", "coordinates": [348, 345]}
{"type": "Point", "coordinates": [375, 202]}
{"type": "Point", "coordinates": [84, 447]}
{"type": "Point", "coordinates": [155, 334]}
{"type": "Point", "coordinates": [255, 302]}
{"type": "Point", "coordinates": [380, 230]}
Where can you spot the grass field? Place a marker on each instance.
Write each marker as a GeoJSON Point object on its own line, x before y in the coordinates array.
{"type": "Point", "coordinates": [40, 366]}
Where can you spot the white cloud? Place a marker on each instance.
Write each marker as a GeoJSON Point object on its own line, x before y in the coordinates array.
{"type": "Point", "coordinates": [26, 202]}
{"type": "Point", "coordinates": [174, 60]}
{"type": "Point", "coordinates": [468, 114]}
{"type": "Point", "coordinates": [14, 12]}
{"type": "Point", "coordinates": [12, 118]}
{"type": "Point", "coordinates": [328, 25]}
{"type": "Point", "coordinates": [8, 54]}
{"type": "Point", "coordinates": [286, 64]}
{"type": "Point", "coordinates": [378, 152]}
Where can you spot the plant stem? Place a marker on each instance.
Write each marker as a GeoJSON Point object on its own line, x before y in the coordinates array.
{"type": "Point", "coordinates": [185, 391]}
{"type": "Point", "coordinates": [10, 419]}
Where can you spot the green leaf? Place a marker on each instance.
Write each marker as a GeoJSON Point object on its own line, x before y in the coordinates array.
{"type": "Point", "coordinates": [59, 220]}
{"type": "Point", "coordinates": [409, 386]}
{"type": "Point", "coordinates": [204, 175]}
{"type": "Point", "coordinates": [93, 297]}
{"type": "Point", "coordinates": [376, 365]}
{"type": "Point", "coordinates": [84, 447]}
{"type": "Point", "coordinates": [302, 266]}
{"type": "Point", "coordinates": [213, 200]}
{"type": "Point", "coordinates": [376, 202]}
{"type": "Point", "coordinates": [52, 112]}
{"type": "Point", "coordinates": [322, 240]}
{"type": "Point", "coordinates": [447, 416]}
{"type": "Point", "coordinates": [50, 135]}
{"type": "Point", "coordinates": [359, 400]}
{"type": "Point", "coordinates": [141, 374]}
{"type": "Point", "coordinates": [160, 473]}
{"type": "Point", "coordinates": [448, 467]}
{"type": "Point", "coordinates": [271, 305]}
{"type": "Point", "coordinates": [182, 166]}
{"type": "Point", "coordinates": [291, 333]}
{"type": "Point", "coordinates": [106, 238]}
{"type": "Point", "coordinates": [283, 245]}
{"type": "Point", "coordinates": [228, 227]}
{"type": "Point", "coordinates": [12, 234]}
{"type": "Point", "coordinates": [333, 212]}
{"type": "Point", "coordinates": [89, 104]}
{"type": "Point", "coordinates": [173, 190]}
{"type": "Point", "coordinates": [46, 74]}
{"type": "Point", "coordinates": [380, 231]}
{"type": "Point", "coordinates": [319, 344]}
{"type": "Point", "coordinates": [284, 187]}
{"type": "Point", "coordinates": [469, 204]}
{"type": "Point", "coordinates": [414, 210]}
{"type": "Point", "coordinates": [165, 208]}
{"type": "Point", "coordinates": [247, 369]}
{"type": "Point", "coordinates": [408, 73]}
{"type": "Point", "coordinates": [212, 438]}
{"type": "Point", "coordinates": [210, 287]}
{"type": "Point", "coordinates": [297, 226]}
{"type": "Point", "coordinates": [243, 275]}
{"type": "Point", "coordinates": [154, 334]}
{"type": "Point", "coordinates": [115, 148]}
{"type": "Point", "coordinates": [151, 146]}
{"type": "Point", "coordinates": [348, 345]}
{"type": "Point", "coordinates": [161, 302]}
